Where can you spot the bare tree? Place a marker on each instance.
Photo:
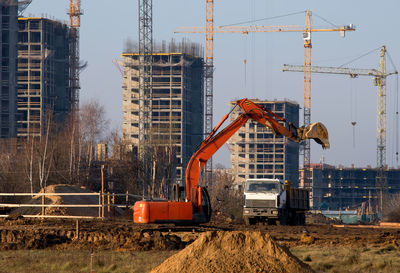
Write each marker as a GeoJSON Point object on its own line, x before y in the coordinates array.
{"type": "Point", "coordinates": [392, 208]}
{"type": "Point", "coordinates": [225, 199]}
{"type": "Point", "coordinates": [92, 127]}
{"type": "Point", "coordinates": [29, 155]}
{"type": "Point", "coordinates": [45, 155]}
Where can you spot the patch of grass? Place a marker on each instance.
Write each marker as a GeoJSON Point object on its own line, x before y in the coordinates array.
{"type": "Point", "coordinates": [66, 266]}
{"type": "Point", "coordinates": [351, 259]}
{"type": "Point", "coordinates": [347, 259]}
{"type": "Point", "coordinates": [35, 261]}
{"type": "Point", "coordinates": [386, 249]}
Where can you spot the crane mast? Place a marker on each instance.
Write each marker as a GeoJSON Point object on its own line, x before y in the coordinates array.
{"type": "Point", "coordinates": [307, 98]}
{"type": "Point", "coordinates": [74, 24]}
{"type": "Point", "coordinates": [209, 77]}
{"type": "Point", "coordinates": [145, 72]}
{"type": "Point", "coordinates": [380, 81]}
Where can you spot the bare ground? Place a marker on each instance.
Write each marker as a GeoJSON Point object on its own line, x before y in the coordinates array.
{"type": "Point", "coordinates": [315, 244]}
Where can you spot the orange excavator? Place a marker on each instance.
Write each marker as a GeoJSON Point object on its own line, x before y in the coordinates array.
{"type": "Point", "coordinates": [196, 207]}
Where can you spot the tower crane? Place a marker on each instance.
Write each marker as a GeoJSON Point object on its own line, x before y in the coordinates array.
{"type": "Point", "coordinates": [379, 79]}
{"type": "Point", "coordinates": [145, 30]}
{"type": "Point", "coordinates": [74, 24]}
{"type": "Point", "coordinates": [209, 30]}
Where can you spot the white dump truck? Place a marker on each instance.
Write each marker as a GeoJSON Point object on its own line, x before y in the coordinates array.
{"type": "Point", "coordinates": [273, 201]}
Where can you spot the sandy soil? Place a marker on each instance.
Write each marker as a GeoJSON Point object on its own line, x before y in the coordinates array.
{"type": "Point", "coordinates": [233, 251]}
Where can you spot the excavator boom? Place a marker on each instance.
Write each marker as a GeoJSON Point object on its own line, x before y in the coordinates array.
{"type": "Point", "coordinates": [196, 207]}
{"type": "Point", "coordinates": [316, 130]}
{"type": "Point", "coordinates": [256, 112]}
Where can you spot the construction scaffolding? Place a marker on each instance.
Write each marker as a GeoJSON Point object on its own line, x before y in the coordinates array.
{"type": "Point", "coordinates": [341, 187]}
{"type": "Point", "coordinates": [258, 153]}
{"type": "Point", "coordinates": [74, 23]}
{"type": "Point", "coordinates": [43, 74]}
{"type": "Point", "coordinates": [176, 104]}
{"type": "Point", "coordinates": [8, 86]}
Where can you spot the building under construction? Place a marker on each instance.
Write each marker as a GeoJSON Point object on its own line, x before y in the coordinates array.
{"type": "Point", "coordinates": [257, 153]}
{"type": "Point", "coordinates": [341, 188]}
{"type": "Point", "coordinates": [175, 102]}
{"type": "Point", "coordinates": [43, 74]}
{"type": "Point", "coordinates": [8, 87]}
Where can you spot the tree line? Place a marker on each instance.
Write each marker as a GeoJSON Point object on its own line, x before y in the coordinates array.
{"type": "Point", "coordinates": [65, 153]}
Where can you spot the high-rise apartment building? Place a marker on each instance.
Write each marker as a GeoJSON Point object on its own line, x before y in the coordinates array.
{"type": "Point", "coordinates": [43, 74]}
{"type": "Point", "coordinates": [8, 84]}
{"type": "Point", "coordinates": [257, 153]}
{"type": "Point", "coordinates": [176, 100]}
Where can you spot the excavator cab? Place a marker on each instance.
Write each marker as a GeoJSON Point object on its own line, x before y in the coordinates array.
{"type": "Point", "coordinates": [201, 205]}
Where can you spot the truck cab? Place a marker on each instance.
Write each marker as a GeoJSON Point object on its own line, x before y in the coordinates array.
{"type": "Point", "coordinates": [262, 198]}
{"type": "Point", "coordinates": [273, 201]}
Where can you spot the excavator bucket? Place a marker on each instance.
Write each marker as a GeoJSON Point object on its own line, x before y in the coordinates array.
{"type": "Point", "coordinates": [316, 131]}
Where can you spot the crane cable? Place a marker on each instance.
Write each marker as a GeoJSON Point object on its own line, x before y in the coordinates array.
{"type": "Point", "coordinates": [353, 110]}
{"type": "Point", "coordinates": [361, 56]}
{"type": "Point", "coordinates": [263, 19]}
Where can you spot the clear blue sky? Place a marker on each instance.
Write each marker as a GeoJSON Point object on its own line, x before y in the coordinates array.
{"type": "Point", "coordinates": [106, 25]}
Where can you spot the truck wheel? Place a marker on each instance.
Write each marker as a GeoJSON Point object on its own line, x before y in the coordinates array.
{"type": "Point", "coordinates": [270, 222]}
{"type": "Point", "coordinates": [282, 221]}
{"type": "Point", "coordinates": [302, 217]}
{"type": "Point", "coordinates": [295, 219]}
{"type": "Point", "coordinates": [249, 221]}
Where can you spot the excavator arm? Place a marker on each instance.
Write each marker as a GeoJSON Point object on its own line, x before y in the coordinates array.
{"type": "Point", "coordinates": [256, 112]}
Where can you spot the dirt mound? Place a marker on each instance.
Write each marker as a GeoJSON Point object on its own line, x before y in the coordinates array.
{"type": "Point", "coordinates": [319, 218]}
{"type": "Point", "coordinates": [65, 200]}
{"type": "Point", "coordinates": [236, 251]}
{"type": "Point", "coordinates": [114, 238]}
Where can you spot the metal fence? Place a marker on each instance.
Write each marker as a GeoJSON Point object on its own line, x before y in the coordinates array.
{"type": "Point", "coordinates": [106, 204]}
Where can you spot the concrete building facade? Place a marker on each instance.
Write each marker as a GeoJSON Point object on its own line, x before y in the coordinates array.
{"type": "Point", "coordinates": [43, 74]}
{"type": "Point", "coordinates": [337, 188]}
{"type": "Point", "coordinates": [177, 107]}
{"type": "Point", "coordinates": [8, 86]}
{"type": "Point", "coordinates": [257, 153]}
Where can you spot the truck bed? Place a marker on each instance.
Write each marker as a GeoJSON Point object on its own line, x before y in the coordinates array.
{"type": "Point", "coordinates": [299, 199]}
